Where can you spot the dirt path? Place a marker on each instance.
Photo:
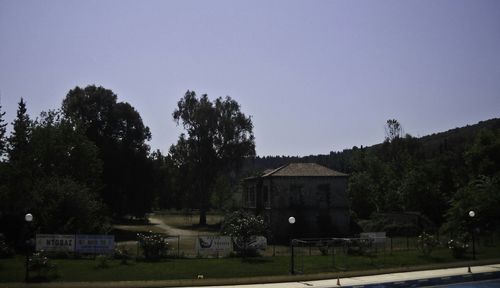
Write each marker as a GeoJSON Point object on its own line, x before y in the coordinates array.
{"type": "Point", "coordinates": [169, 230]}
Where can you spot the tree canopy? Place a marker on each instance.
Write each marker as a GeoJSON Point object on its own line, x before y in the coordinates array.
{"type": "Point", "coordinates": [219, 137]}
{"type": "Point", "coordinates": [117, 130]}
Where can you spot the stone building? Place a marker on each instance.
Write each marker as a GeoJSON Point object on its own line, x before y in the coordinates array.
{"type": "Point", "coordinates": [315, 195]}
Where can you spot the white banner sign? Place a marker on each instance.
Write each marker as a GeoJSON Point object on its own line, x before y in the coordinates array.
{"type": "Point", "coordinates": [55, 243]}
{"type": "Point", "coordinates": [255, 242]}
{"type": "Point", "coordinates": [220, 245]}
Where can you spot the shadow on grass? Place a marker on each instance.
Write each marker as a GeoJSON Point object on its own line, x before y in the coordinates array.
{"type": "Point", "coordinates": [433, 259]}
{"type": "Point", "coordinates": [256, 260]}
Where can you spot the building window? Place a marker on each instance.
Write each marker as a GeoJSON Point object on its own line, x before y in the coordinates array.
{"type": "Point", "coordinates": [266, 199]}
{"type": "Point", "coordinates": [296, 195]}
{"type": "Point", "coordinates": [251, 197]}
{"type": "Point", "coordinates": [323, 195]}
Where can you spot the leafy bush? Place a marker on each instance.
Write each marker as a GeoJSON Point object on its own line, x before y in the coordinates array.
{"type": "Point", "coordinates": [154, 245]}
{"type": "Point", "coordinates": [458, 247]}
{"type": "Point", "coordinates": [42, 266]}
{"type": "Point", "coordinates": [427, 243]}
{"type": "Point", "coordinates": [123, 255]}
{"type": "Point", "coordinates": [5, 250]}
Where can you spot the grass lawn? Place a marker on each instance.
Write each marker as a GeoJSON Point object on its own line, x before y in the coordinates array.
{"type": "Point", "coordinates": [12, 270]}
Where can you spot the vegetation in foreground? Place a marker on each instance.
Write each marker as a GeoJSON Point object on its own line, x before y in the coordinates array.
{"type": "Point", "coordinates": [12, 269]}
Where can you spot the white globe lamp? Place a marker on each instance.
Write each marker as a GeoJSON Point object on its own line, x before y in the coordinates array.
{"type": "Point", "coordinates": [28, 217]}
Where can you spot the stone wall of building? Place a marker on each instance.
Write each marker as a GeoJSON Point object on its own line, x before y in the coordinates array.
{"type": "Point", "coordinates": [319, 204]}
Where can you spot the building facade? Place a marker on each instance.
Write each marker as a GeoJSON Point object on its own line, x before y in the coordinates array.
{"type": "Point", "coordinates": [314, 195]}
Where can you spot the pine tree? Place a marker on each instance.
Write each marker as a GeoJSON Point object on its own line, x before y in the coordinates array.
{"type": "Point", "coordinates": [19, 140]}
{"type": "Point", "coordinates": [3, 131]}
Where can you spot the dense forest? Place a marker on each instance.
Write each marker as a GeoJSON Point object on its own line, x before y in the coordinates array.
{"type": "Point", "coordinates": [87, 163]}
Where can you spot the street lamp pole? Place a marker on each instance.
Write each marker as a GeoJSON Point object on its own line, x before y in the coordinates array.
{"type": "Point", "coordinates": [28, 218]}
{"type": "Point", "coordinates": [472, 214]}
{"type": "Point", "coordinates": [291, 220]}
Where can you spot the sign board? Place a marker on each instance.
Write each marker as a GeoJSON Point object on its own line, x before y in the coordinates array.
{"type": "Point", "coordinates": [92, 244]}
{"type": "Point", "coordinates": [220, 245]}
{"type": "Point", "coordinates": [378, 238]}
{"type": "Point", "coordinates": [95, 244]}
{"type": "Point", "coordinates": [55, 243]}
{"type": "Point", "coordinates": [256, 242]}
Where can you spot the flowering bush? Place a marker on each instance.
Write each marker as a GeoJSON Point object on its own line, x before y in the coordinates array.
{"type": "Point", "coordinates": [43, 267]}
{"type": "Point", "coordinates": [427, 243]}
{"type": "Point", "coordinates": [243, 227]}
{"type": "Point", "coordinates": [154, 245]}
{"type": "Point", "coordinates": [457, 248]}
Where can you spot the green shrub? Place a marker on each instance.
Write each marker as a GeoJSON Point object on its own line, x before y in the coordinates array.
{"type": "Point", "coordinates": [43, 268]}
{"type": "Point", "coordinates": [458, 247]}
{"type": "Point", "coordinates": [123, 255]}
{"type": "Point", "coordinates": [154, 245]}
{"type": "Point", "coordinates": [5, 250]}
{"type": "Point", "coordinates": [427, 243]}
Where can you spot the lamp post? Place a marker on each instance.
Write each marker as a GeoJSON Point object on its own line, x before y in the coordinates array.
{"type": "Point", "coordinates": [291, 220]}
{"type": "Point", "coordinates": [472, 214]}
{"type": "Point", "coordinates": [28, 218]}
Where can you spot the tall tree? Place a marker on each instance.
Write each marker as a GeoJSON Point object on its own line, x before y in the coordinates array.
{"type": "Point", "coordinates": [118, 131]}
{"type": "Point", "coordinates": [3, 131]}
{"type": "Point", "coordinates": [19, 140]}
{"type": "Point", "coordinates": [219, 138]}
{"type": "Point", "coordinates": [16, 195]}
{"type": "Point", "coordinates": [393, 130]}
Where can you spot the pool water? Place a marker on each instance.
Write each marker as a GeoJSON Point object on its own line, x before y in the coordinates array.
{"type": "Point", "coordinates": [495, 283]}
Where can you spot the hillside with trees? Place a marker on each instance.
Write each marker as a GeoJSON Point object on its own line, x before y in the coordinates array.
{"type": "Point", "coordinates": [440, 176]}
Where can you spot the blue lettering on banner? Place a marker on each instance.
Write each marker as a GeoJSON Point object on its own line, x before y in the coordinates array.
{"type": "Point", "coordinates": [95, 244]}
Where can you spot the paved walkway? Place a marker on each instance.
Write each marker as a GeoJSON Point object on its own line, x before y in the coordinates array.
{"type": "Point", "coordinates": [406, 279]}
{"type": "Point", "coordinates": [399, 279]}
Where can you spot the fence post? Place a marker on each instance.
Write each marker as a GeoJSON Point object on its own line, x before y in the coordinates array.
{"type": "Point", "coordinates": [178, 246]}
{"type": "Point", "coordinates": [333, 256]}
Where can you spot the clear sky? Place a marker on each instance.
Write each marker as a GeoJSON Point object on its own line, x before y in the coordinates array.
{"type": "Point", "coordinates": [316, 76]}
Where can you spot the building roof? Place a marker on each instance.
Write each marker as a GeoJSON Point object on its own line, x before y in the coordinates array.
{"type": "Point", "coordinates": [303, 170]}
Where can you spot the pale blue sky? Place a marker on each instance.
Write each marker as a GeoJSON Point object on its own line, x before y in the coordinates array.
{"type": "Point", "coordinates": [316, 76]}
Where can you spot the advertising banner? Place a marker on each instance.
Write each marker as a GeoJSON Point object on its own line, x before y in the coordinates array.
{"type": "Point", "coordinates": [256, 242]}
{"type": "Point", "coordinates": [220, 245]}
{"type": "Point", "coordinates": [379, 238]}
{"type": "Point", "coordinates": [95, 244]}
{"type": "Point", "coordinates": [55, 243]}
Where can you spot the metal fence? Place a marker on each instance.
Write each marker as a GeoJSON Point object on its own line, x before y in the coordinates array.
{"type": "Point", "coordinates": [181, 246]}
